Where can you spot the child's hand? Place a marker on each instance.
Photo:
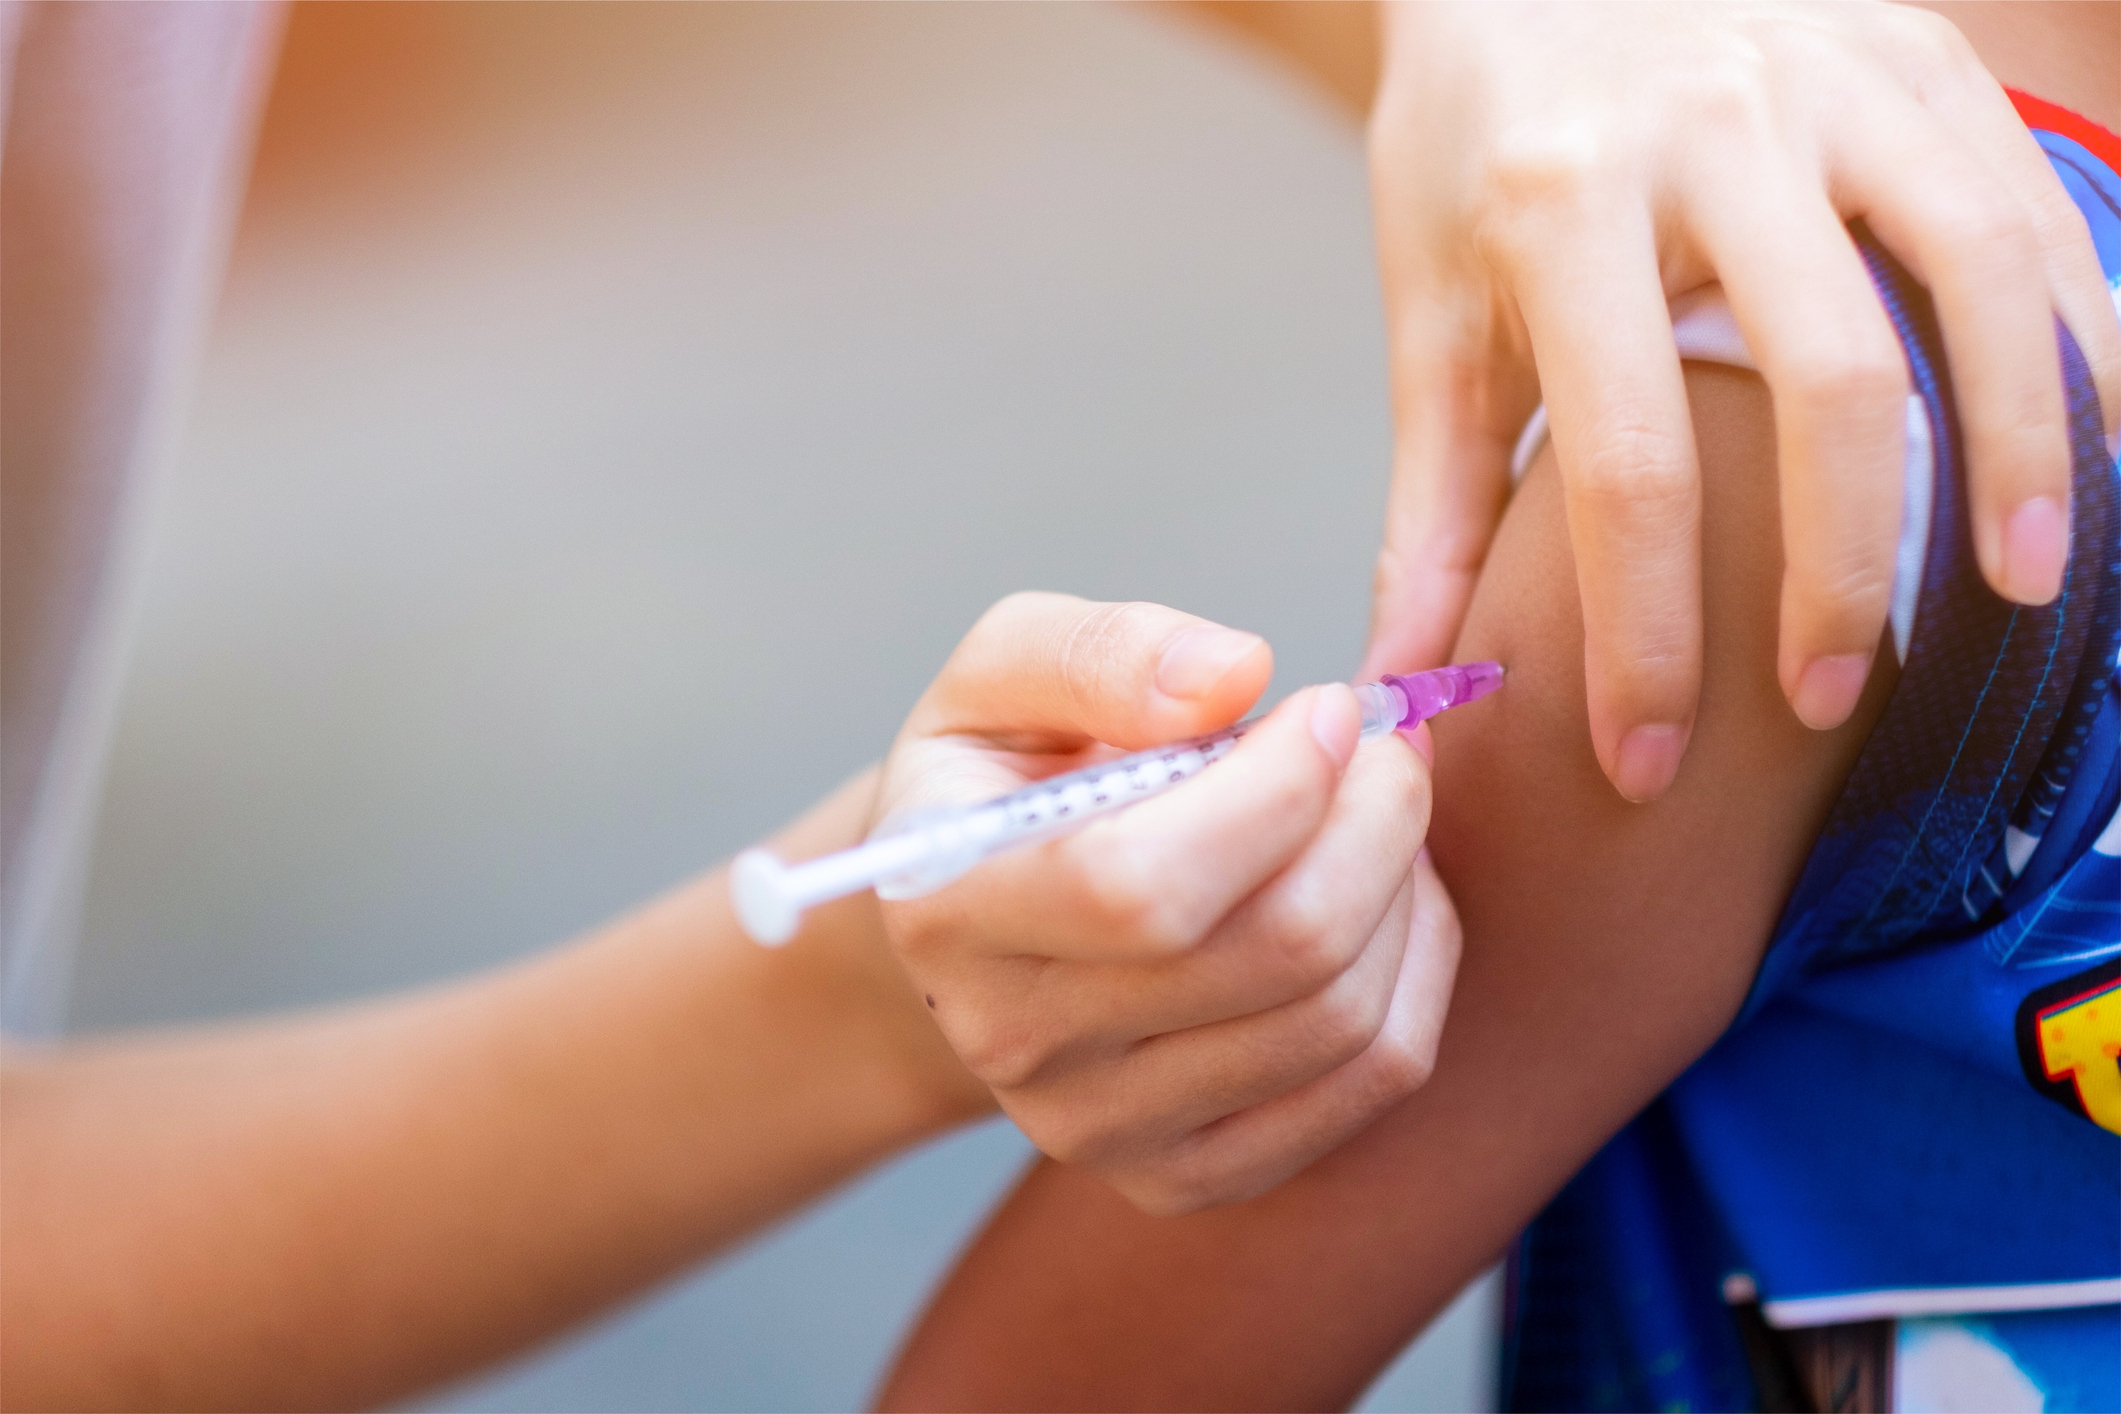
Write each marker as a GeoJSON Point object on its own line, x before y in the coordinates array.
{"type": "Point", "coordinates": [1200, 995]}
{"type": "Point", "coordinates": [1546, 178]}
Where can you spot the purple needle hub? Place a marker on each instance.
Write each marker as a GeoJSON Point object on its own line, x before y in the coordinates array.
{"type": "Point", "coordinates": [1431, 692]}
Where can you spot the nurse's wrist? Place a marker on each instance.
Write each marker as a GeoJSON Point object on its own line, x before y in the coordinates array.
{"type": "Point", "coordinates": [889, 1035]}
{"type": "Point", "coordinates": [845, 980]}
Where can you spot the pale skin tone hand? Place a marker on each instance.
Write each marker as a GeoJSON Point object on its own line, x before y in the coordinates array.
{"type": "Point", "coordinates": [1546, 178]}
{"type": "Point", "coordinates": [392, 1194]}
{"type": "Point", "coordinates": [334, 1210]}
{"type": "Point", "coordinates": [1194, 998]}
{"type": "Point", "coordinates": [337, 1209]}
{"type": "Point", "coordinates": [1607, 945]}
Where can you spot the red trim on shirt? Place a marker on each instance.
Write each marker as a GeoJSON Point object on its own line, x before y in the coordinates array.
{"type": "Point", "coordinates": [2039, 113]}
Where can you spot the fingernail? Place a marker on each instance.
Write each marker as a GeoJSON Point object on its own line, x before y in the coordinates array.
{"type": "Point", "coordinates": [2035, 549]}
{"type": "Point", "coordinates": [1200, 658]}
{"type": "Point", "coordinates": [1424, 745]}
{"type": "Point", "coordinates": [1647, 761]}
{"type": "Point", "coordinates": [1828, 687]}
{"type": "Point", "coordinates": [1336, 721]}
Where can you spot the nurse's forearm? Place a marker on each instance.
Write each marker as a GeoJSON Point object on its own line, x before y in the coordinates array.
{"type": "Point", "coordinates": [336, 1209]}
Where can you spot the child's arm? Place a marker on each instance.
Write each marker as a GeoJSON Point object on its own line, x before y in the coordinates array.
{"type": "Point", "coordinates": [1607, 945]}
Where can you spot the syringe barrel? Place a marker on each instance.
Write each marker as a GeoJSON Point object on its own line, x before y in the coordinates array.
{"type": "Point", "coordinates": [935, 846]}
{"type": "Point", "coordinates": [1383, 705]}
{"type": "Point", "coordinates": [1046, 809]}
{"type": "Point", "coordinates": [923, 850]}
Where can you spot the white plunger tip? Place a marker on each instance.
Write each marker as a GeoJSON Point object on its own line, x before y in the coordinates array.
{"type": "Point", "coordinates": [758, 886]}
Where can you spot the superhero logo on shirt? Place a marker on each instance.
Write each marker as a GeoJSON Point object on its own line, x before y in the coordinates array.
{"type": "Point", "coordinates": [2069, 1042]}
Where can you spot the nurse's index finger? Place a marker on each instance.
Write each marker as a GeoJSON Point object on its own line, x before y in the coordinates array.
{"type": "Point", "coordinates": [1964, 235]}
{"type": "Point", "coordinates": [1450, 482]}
{"type": "Point", "coordinates": [1617, 409]}
{"type": "Point", "coordinates": [1985, 120]}
{"type": "Point", "coordinates": [1839, 384]}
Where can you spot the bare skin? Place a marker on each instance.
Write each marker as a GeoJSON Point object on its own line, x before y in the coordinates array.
{"type": "Point", "coordinates": [1546, 179]}
{"type": "Point", "coordinates": [333, 1209]}
{"type": "Point", "coordinates": [1608, 944]}
{"type": "Point", "coordinates": [2064, 52]}
{"type": "Point", "coordinates": [330, 1211]}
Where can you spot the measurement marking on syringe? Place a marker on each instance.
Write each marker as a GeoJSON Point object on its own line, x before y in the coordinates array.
{"type": "Point", "coordinates": [926, 850]}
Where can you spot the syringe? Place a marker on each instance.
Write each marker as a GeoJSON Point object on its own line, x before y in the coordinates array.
{"type": "Point", "coordinates": [923, 850]}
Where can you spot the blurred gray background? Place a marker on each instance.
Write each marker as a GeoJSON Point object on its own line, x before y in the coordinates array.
{"type": "Point", "coordinates": [614, 415]}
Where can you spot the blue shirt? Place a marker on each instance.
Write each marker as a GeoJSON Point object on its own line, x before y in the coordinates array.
{"type": "Point", "coordinates": [1918, 1112]}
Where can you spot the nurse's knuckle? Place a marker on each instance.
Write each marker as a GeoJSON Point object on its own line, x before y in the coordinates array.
{"type": "Point", "coordinates": [1399, 1064]}
{"type": "Point", "coordinates": [1856, 584]}
{"type": "Point", "coordinates": [1989, 229]}
{"type": "Point", "coordinates": [1408, 775]}
{"type": "Point", "coordinates": [1727, 95]}
{"type": "Point", "coordinates": [1846, 376]}
{"type": "Point", "coordinates": [1077, 1135]}
{"type": "Point", "coordinates": [1634, 464]}
{"type": "Point", "coordinates": [1102, 645]}
{"type": "Point", "coordinates": [1537, 163]}
{"type": "Point", "coordinates": [1004, 1053]}
{"type": "Point", "coordinates": [1345, 1018]}
{"type": "Point", "coordinates": [1539, 176]}
{"type": "Point", "coordinates": [1311, 945]}
{"type": "Point", "coordinates": [1167, 1189]}
{"type": "Point", "coordinates": [1124, 898]}
{"type": "Point", "coordinates": [1931, 43]}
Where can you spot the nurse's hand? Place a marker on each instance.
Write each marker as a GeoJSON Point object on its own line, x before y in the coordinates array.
{"type": "Point", "coordinates": [1545, 178]}
{"type": "Point", "coordinates": [1198, 996]}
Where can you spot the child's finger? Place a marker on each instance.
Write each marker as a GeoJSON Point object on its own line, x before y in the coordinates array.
{"type": "Point", "coordinates": [1151, 881]}
{"type": "Point", "coordinates": [1046, 666]}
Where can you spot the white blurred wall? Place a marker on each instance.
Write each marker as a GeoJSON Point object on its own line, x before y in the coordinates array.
{"type": "Point", "coordinates": [615, 414]}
